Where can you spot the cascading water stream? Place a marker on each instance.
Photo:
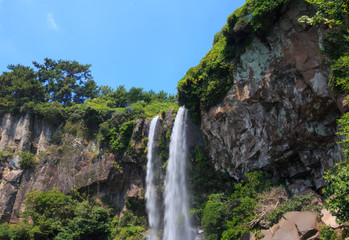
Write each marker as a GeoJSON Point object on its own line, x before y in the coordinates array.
{"type": "Point", "coordinates": [177, 220]}
{"type": "Point", "coordinates": [152, 204]}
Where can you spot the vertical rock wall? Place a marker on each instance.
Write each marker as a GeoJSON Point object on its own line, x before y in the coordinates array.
{"type": "Point", "coordinates": [74, 163]}
{"type": "Point", "coordinates": [280, 115]}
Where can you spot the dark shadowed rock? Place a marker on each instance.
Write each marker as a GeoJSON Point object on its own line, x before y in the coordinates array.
{"type": "Point", "coordinates": [248, 236]}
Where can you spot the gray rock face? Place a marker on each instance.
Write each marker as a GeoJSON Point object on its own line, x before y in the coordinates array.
{"type": "Point", "coordinates": [74, 163]}
{"type": "Point", "coordinates": [280, 116]}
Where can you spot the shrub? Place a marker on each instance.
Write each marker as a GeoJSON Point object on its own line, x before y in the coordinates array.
{"type": "Point", "coordinates": [27, 160]}
{"type": "Point", "coordinates": [120, 138]}
{"type": "Point", "coordinates": [230, 217]}
{"type": "Point", "coordinates": [52, 112]}
{"type": "Point", "coordinates": [128, 227]}
{"type": "Point", "coordinates": [339, 76]}
{"type": "Point", "coordinates": [5, 232]}
{"type": "Point", "coordinates": [58, 216]}
{"type": "Point", "coordinates": [298, 203]}
{"type": "Point", "coordinates": [214, 216]}
{"type": "Point", "coordinates": [6, 154]}
{"type": "Point", "coordinates": [327, 233]}
{"type": "Point", "coordinates": [206, 179]}
{"type": "Point", "coordinates": [338, 188]}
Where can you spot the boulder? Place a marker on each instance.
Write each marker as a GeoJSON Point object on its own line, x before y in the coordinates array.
{"type": "Point", "coordinates": [294, 226]}
{"type": "Point", "coordinates": [328, 219]}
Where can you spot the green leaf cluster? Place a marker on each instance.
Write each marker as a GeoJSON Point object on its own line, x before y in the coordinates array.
{"type": "Point", "coordinates": [297, 203]}
{"type": "Point", "coordinates": [64, 94]}
{"type": "Point", "coordinates": [120, 138]}
{"type": "Point", "coordinates": [339, 76]}
{"type": "Point", "coordinates": [327, 233]}
{"type": "Point", "coordinates": [337, 191]}
{"type": "Point", "coordinates": [329, 12]}
{"type": "Point", "coordinates": [206, 180]}
{"type": "Point", "coordinates": [53, 215]}
{"type": "Point", "coordinates": [6, 154]}
{"type": "Point", "coordinates": [27, 160]}
{"type": "Point", "coordinates": [129, 227]}
{"type": "Point", "coordinates": [229, 217]}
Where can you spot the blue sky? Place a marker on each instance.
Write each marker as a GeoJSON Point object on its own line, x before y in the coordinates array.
{"type": "Point", "coordinates": [141, 43]}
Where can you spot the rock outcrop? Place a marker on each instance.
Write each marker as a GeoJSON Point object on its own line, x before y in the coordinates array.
{"type": "Point", "coordinates": [74, 163]}
{"type": "Point", "coordinates": [280, 115]}
{"type": "Point", "coordinates": [295, 226]}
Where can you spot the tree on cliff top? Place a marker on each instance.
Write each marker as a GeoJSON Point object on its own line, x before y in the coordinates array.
{"type": "Point", "coordinates": [66, 81]}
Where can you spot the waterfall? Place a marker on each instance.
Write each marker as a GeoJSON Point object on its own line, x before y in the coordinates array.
{"type": "Point", "coordinates": [152, 204]}
{"type": "Point", "coordinates": [177, 220]}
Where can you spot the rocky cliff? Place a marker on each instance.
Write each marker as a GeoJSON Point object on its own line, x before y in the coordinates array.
{"type": "Point", "coordinates": [71, 163]}
{"type": "Point", "coordinates": [280, 115]}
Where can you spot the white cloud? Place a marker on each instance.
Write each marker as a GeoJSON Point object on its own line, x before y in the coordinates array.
{"type": "Point", "coordinates": [51, 21]}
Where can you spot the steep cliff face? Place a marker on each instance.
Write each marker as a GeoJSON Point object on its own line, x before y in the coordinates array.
{"type": "Point", "coordinates": [73, 163]}
{"type": "Point", "coordinates": [280, 115]}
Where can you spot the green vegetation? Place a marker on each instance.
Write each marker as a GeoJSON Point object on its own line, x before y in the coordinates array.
{"type": "Point", "coordinates": [229, 217]}
{"type": "Point", "coordinates": [338, 191]}
{"type": "Point", "coordinates": [53, 215]}
{"type": "Point", "coordinates": [128, 228]}
{"type": "Point", "coordinates": [120, 139]}
{"type": "Point", "coordinates": [206, 181]}
{"type": "Point", "coordinates": [206, 85]}
{"type": "Point", "coordinates": [6, 154]}
{"type": "Point", "coordinates": [297, 203]}
{"type": "Point", "coordinates": [339, 77]}
{"type": "Point", "coordinates": [27, 160]}
{"type": "Point", "coordinates": [328, 12]}
{"type": "Point", "coordinates": [327, 233]}
{"type": "Point", "coordinates": [64, 94]}
{"type": "Point", "coordinates": [335, 13]}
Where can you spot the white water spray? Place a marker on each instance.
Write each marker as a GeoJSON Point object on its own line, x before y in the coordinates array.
{"type": "Point", "coordinates": [152, 204]}
{"type": "Point", "coordinates": [177, 220]}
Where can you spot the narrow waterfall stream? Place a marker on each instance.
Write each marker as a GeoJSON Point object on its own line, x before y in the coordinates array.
{"type": "Point", "coordinates": [152, 204]}
{"type": "Point", "coordinates": [177, 220]}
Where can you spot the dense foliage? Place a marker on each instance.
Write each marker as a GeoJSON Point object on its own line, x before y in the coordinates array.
{"type": "Point", "coordinates": [229, 217]}
{"type": "Point", "coordinates": [206, 85]}
{"type": "Point", "coordinates": [338, 191]}
{"type": "Point", "coordinates": [27, 160]}
{"type": "Point", "coordinates": [54, 88]}
{"type": "Point", "coordinates": [328, 12]}
{"type": "Point", "coordinates": [53, 215]}
{"type": "Point", "coordinates": [327, 233]}
{"type": "Point", "coordinates": [206, 180]}
{"type": "Point", "coordinates": [64, 94]}
{"type": "Point", "coordinates": [300, 203]}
